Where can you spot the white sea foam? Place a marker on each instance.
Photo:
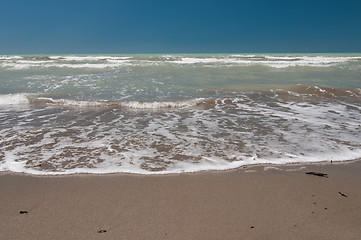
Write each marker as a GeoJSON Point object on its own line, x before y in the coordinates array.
{"type": "Point", "coordinates": [88, 58]}
{"type": "Point", "coordinates": [271, 61]}
{"type": "Point", "coordinates": [14, 99]}
{"type": "Point", "coordinates": [101, 62]}
{"type": "Point", "coordinates": [69, 102]}
{"type": "Point", "coordinates": [10, 57]}
{"type": "Point", "coordinates": [207, 164]}
{"type": "Point", "coordinates": [233, 134]}
{"type": "Point", "coordinates": [25, 98]}
{"type": "Point", "coordinates": [162, 104]}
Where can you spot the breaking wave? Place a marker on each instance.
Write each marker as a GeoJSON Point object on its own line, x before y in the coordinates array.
{"type": "Point", "coordinates": [295, 93]}
{"type": "Point", "coordinates": [34, 99]}
{"type": "Point", "coordinates": [103, 62]}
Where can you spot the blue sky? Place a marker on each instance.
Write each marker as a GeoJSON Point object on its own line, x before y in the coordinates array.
{"type": "Point", "coordinates": [184, 26]}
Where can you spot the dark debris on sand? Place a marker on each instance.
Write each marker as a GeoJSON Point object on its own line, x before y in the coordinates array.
{"type": "Point", "coordinates": [317, 174]}
{"type": "Point", "coordinates": [343, 195]}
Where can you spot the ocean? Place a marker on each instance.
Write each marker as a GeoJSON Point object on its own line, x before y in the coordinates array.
{"type": "Point", "coordinates": [163, 114]}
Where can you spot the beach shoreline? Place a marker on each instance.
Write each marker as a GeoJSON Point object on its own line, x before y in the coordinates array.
{"type": "Point", "coordinates": [254, 202]}
{"type": "Point", "coordinates": [246, 168]}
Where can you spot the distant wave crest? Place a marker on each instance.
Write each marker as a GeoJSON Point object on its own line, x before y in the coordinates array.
{"type": "Point", "coordinates": [103, 62]}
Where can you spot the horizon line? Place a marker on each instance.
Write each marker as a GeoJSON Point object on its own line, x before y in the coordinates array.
{"type": "Point", "coordinates": [177, 53]}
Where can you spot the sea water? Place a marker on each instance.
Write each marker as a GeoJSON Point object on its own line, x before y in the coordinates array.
{"type": "Point", "coordinates": [160, 114]}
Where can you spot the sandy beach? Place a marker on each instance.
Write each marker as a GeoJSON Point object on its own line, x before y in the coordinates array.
{"type": "Point", "coordinates": [260, 202]}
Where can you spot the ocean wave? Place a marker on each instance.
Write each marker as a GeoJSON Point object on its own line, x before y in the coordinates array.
{"type": "Point", "coordinates": [162, 104]}
{"type": "Point", "coordinates": [295, 93]}
{"type": "Point", "coordinates": [38, 99]}
{"type": "Point", "coordinates": [102, 62]}
{"type": "Point", "coordinates": [124, 104]}
{"type": "Point", "coordinates": [270, 61]}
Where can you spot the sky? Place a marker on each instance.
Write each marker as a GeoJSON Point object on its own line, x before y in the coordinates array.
{"type": "Point", "coordinates": [183, 26]}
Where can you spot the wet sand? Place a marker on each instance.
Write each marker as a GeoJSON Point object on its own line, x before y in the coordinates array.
{"type": "Point", "coordinates": [247, 203]}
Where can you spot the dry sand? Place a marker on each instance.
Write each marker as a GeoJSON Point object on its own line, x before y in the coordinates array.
{"type": "Point", "coordinates": [237, 204]}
